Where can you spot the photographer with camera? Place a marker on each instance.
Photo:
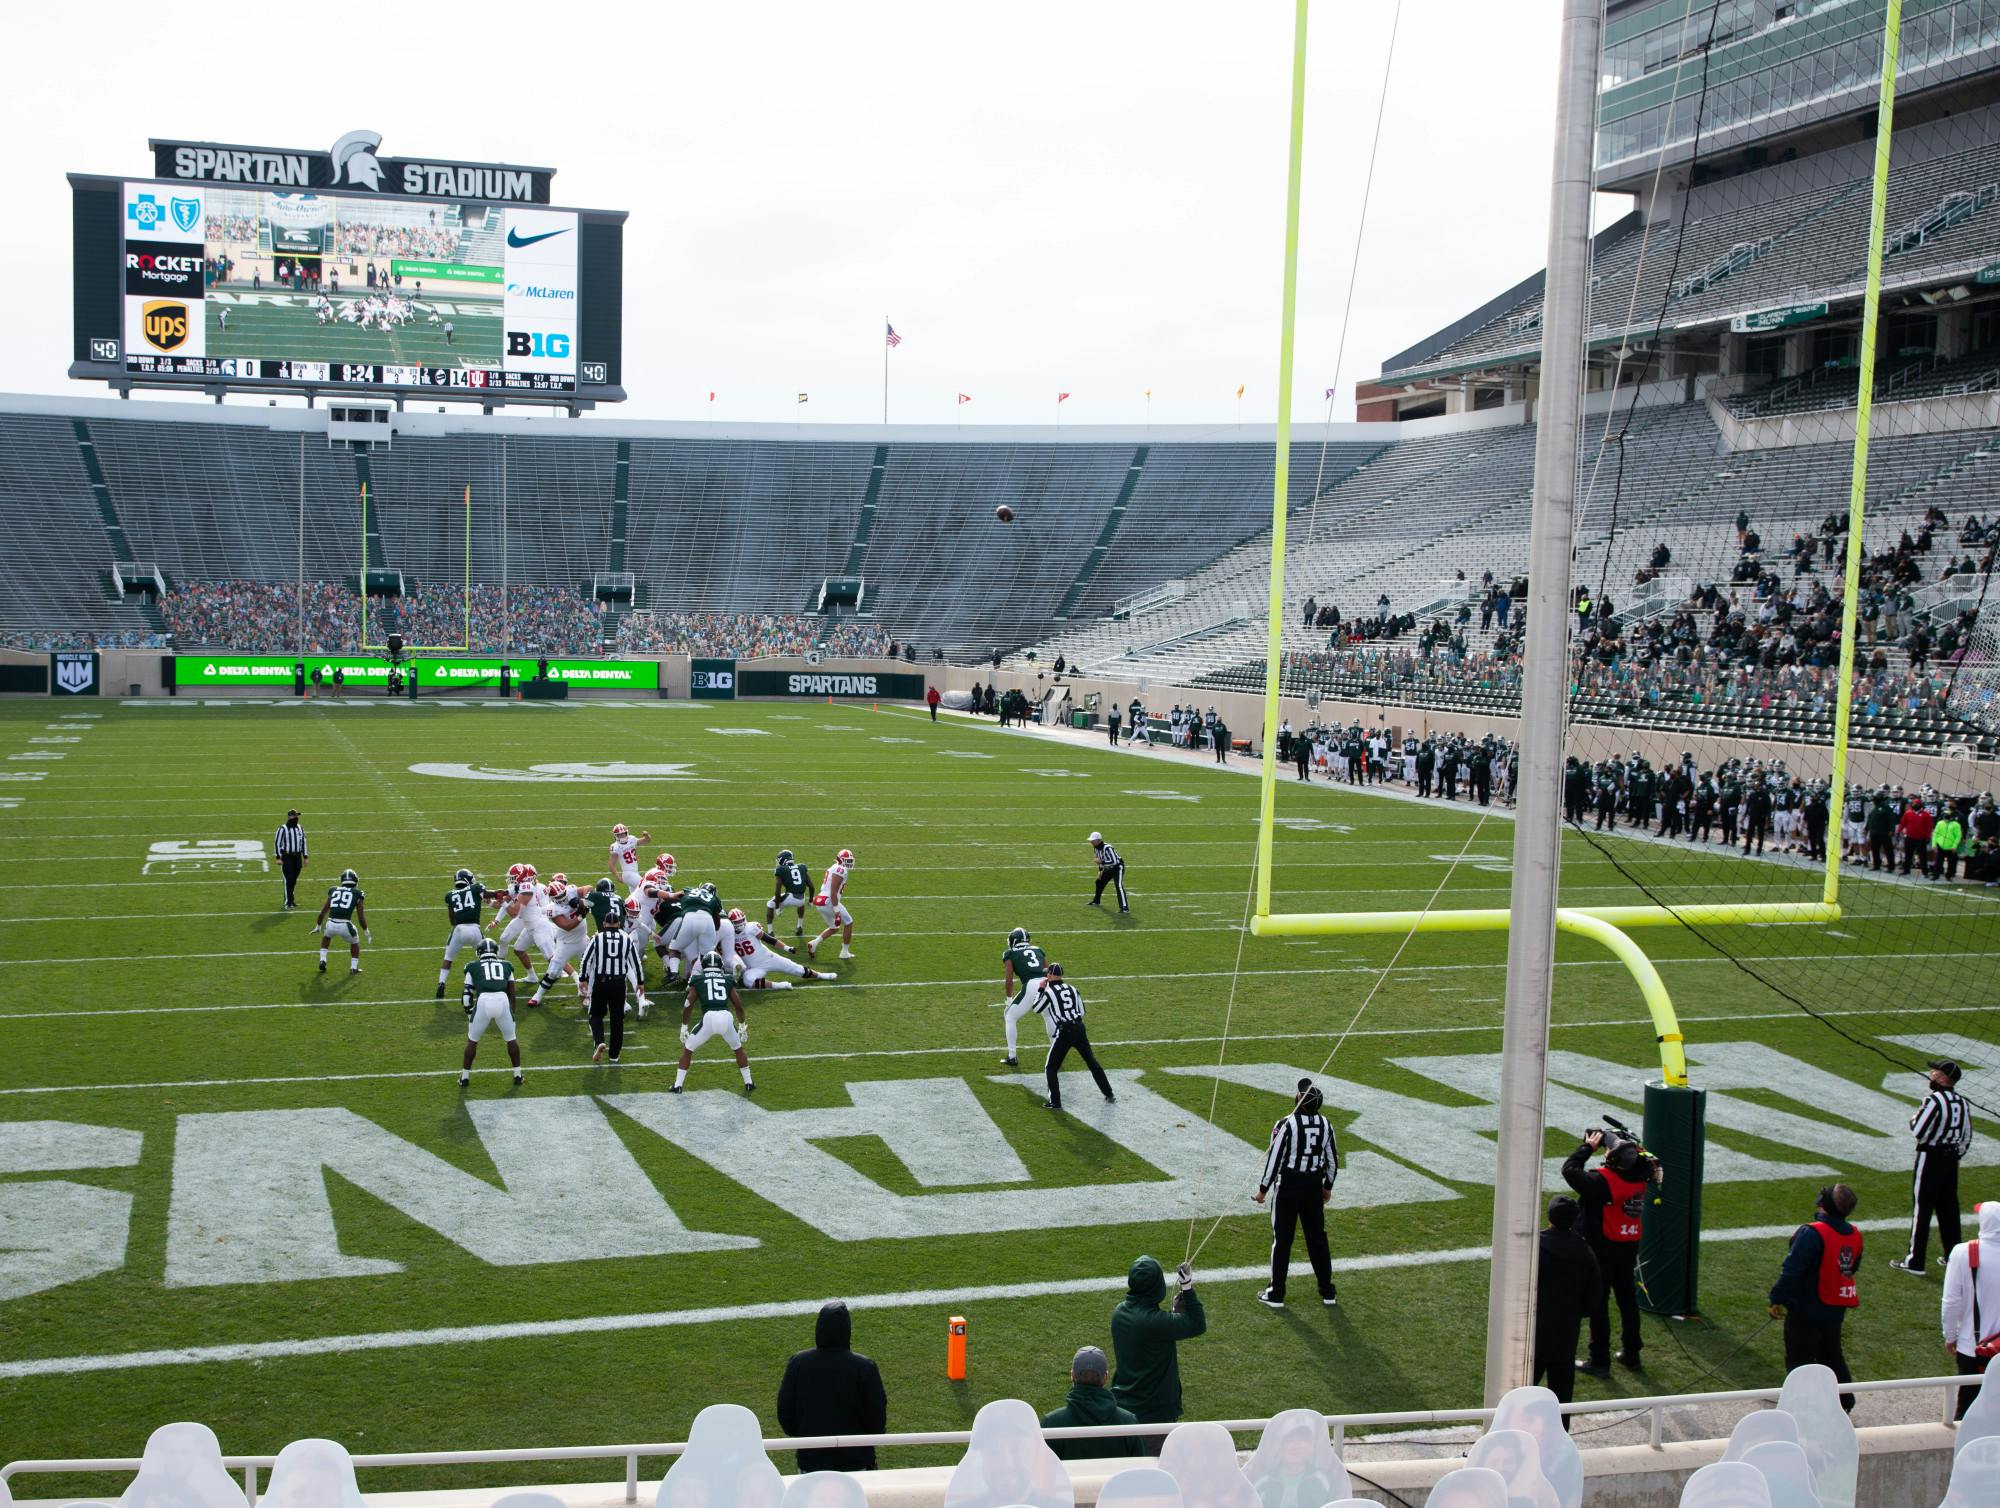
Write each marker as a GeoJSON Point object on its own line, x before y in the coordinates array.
{"type": "Point", "coordinates": [1816, 1286]}
{"type": "Point", "coordinates": [1612, 1194]}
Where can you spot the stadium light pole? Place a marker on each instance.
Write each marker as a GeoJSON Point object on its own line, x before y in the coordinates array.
{"type": "Point", "coordinates": [1531, 936]}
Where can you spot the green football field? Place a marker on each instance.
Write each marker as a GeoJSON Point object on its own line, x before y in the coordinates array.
{"type": "Point", "coordinates": [272, 325]}
{"type": "Point", "coordinates": [236, 1190]}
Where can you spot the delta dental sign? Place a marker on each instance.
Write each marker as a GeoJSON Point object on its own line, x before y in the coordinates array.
{"type": "Point", "coordinates": [248, 1199]}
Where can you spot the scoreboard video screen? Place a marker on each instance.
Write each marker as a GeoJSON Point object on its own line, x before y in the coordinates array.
{"type": "Point", "coordinates": [298, 285]}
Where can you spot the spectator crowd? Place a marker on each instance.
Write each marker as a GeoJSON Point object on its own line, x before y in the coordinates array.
{"type": "Point", "coordinates": [749, 636]}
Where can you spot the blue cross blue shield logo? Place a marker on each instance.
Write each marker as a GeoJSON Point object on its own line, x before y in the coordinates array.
{"type": "Point", "coordinates": [144, 212]}
{"type": "Point", "coordinates": [187, 212]}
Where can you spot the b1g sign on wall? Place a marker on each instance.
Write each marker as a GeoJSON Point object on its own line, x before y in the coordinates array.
{"type": "Point", "coordinates": [73, 673]}
{"type": "Point", "coordinates": [819, 683]}
{"type": "Point", "coordinates": [714, 680]}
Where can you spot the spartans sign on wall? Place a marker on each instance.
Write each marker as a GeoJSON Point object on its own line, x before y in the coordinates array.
{"type": "Point", "coordinates": [73, 673]}
{"type": "Point", "coordinates": [821, 683]}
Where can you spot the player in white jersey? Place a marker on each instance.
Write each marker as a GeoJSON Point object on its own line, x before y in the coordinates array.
{"type": "Point", "coordinates": [832, 904]}
{"type": "Point", "coordinates": [521, 907]}
{"type": "Point", "coordinates": [563, 904]}
{"type": "Point", "coordinates": [625, 855]}
{"type": "Point", "coordinates": [756, 962]}
{"type": "Point", "coordinates": [642, 907]}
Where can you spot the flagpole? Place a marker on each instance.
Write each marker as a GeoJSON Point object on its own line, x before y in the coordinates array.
{"type": "Point", "coordinates": [885, 369]}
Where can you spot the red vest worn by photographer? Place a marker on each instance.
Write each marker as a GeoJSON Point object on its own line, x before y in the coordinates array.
{"type": "Point", "coordinates": [1621, 1211]}
{"type": "Point", "coordinates": [1839, 1256]}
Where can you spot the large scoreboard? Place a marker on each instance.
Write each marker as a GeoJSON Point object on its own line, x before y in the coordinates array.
{"type": "Point", "coordinates": [343, 272]}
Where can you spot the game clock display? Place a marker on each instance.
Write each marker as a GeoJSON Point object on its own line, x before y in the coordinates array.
{"type": "Point", "coordinates": [331, 290]}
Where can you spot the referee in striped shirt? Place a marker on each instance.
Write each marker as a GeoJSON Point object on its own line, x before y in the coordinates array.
{"type": "Point", "coordinates": [289, 847]}
{"type": "Point", "coordinates": [1303, 1162]}
{"type": "Point", "coordinates": [1110, 871]}
{"type": "Point", "coordinates": [1943, 1129]}
{"type": "Point", "coordinates": [1063, 1007]}
{"type": "Point", "coordinates": [609, 964]}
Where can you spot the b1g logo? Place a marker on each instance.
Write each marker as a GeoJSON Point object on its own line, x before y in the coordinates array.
{"type": "Point", "coordinates": [712, 680]}
{"type": "Point", "coordinates": [164, 323]}
{"type": "Point", "coordinates": [550, 346]}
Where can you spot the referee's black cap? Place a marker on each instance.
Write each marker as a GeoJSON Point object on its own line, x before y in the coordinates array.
{"type": "Point", "coordinates": [1946, 1067]}
{"type": "Point", "coordinates": [290, 815]}
{"type": "Point", "coordinates": [1054, 971]}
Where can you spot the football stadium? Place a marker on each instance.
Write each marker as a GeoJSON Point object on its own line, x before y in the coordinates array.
{"type": "Point", "coordinates": [1442, 954]}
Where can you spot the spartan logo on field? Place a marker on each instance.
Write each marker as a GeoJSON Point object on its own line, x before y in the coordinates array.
{"type": "Point", "coordinates": [164, 322]}
{"type": "Point", "coordinates": [544, 774]}
{"type": "Point", "coordinates": [354, 160]}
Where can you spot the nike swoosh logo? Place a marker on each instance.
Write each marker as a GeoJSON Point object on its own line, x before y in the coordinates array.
{"type": "Point", "coordinates": [515, 238]}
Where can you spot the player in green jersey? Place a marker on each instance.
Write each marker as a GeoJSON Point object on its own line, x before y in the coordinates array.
{"type": "Point", "coordinates": [792, 891]}
{"type": "Point", "coordinates": [606, 910]}
{"type": "Point", "coordinates": [711, 993]}
{"type": "Point", "coordinates": [343, 914]}
{"type": "Point", "coordinates": [465, 904]}
{"type": "Point", "coordinates": [1027, 966]}
{"type": "Point", "coordinates": [489, 1000]}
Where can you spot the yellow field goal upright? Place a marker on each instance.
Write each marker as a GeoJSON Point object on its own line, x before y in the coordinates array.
{"type": "Point", "coordinates": [1605, 925]}
{"type": "Point", "coordinates": [383, 649]}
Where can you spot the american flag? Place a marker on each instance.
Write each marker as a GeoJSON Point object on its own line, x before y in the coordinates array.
{"type": "Point", "coordinates": [894, 338]}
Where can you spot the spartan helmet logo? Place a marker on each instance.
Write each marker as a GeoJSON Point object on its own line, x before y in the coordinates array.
{"type": "Point", "coordinates": [354, 160]}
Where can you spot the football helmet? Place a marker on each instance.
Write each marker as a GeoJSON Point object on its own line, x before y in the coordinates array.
{"type": "Point", "coordinates": [489, 947]}
{"type": "Point", "coordinates": [349, 877]}
{"type": "Point", "coordinates": [654, 875]}
{"type": "Point", "coordinates": [1018, 936]}
{"type": "Point", "coordinates": [632, 906]}
{"type": "Point", "coordinates": [665, 864]}
{"type": "Point", "coordinates": [712, 960]}
{"type": "Point", "coordinates": [558, 879]}
{"type": "Point", "coordinates": [463, 877]}
{"type": "Point", "coordinates": [516, 872]}
{"type": "Point", "coordinates": [620, 830]}
{"type": "Point", "coordinates": [736, 915]}
{"type": "Point", "coordinates": [527, 871]}
{"type": "Point", "coordinates": [556, 888]}
{"type": "Point", "coordinates": [846, 856]}
{"type": "Point", "coordinates": [603, 887]}
{"type": "Point", "coordinates": [784, 856]}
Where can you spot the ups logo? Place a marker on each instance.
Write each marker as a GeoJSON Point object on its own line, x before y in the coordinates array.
{"type": "Point", "coordinates": [164, 324]}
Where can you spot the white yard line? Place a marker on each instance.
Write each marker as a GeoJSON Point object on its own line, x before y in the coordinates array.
{"type": "Point", "coordinates": [660, 1319]}
{"type": "Point", "coordinates": [841, 1055]}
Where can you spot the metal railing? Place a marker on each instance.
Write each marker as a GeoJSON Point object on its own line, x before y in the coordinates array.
{"type": "Point", "coordinates": [1146, 601]}
{"type": "Point", "coordinates": [250, 1466]}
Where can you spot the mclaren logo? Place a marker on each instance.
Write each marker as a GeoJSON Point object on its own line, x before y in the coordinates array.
{"type": "Point", "coordinates": [164, 323]}
{"type": "Point", "coordinates": [354, 160]}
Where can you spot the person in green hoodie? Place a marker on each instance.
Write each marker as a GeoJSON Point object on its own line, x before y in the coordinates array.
{"type": "Point", "coordinates": [1090, 1402]}
{"type": "Point", "coordinates": [1144, 1337]}
{"type": "Point", "coordinates": [1946, 839]}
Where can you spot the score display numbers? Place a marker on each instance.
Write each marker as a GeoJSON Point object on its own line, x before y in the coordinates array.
{"type": "Point", "coordinates": [253, 285]}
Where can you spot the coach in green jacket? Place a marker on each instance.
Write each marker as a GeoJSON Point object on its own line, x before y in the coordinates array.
{"type": "Point", "coordinates": [1143, 1339]}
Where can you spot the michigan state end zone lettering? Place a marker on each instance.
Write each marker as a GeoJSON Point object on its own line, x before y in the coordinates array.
{"type": "Point", "coordinates": [818, 683]}
{"type": "Point", "coordinates": [248, 1201]}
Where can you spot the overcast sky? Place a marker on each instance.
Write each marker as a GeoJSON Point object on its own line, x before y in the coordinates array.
{"type": "Point", "coordinates": [1083, 197]}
